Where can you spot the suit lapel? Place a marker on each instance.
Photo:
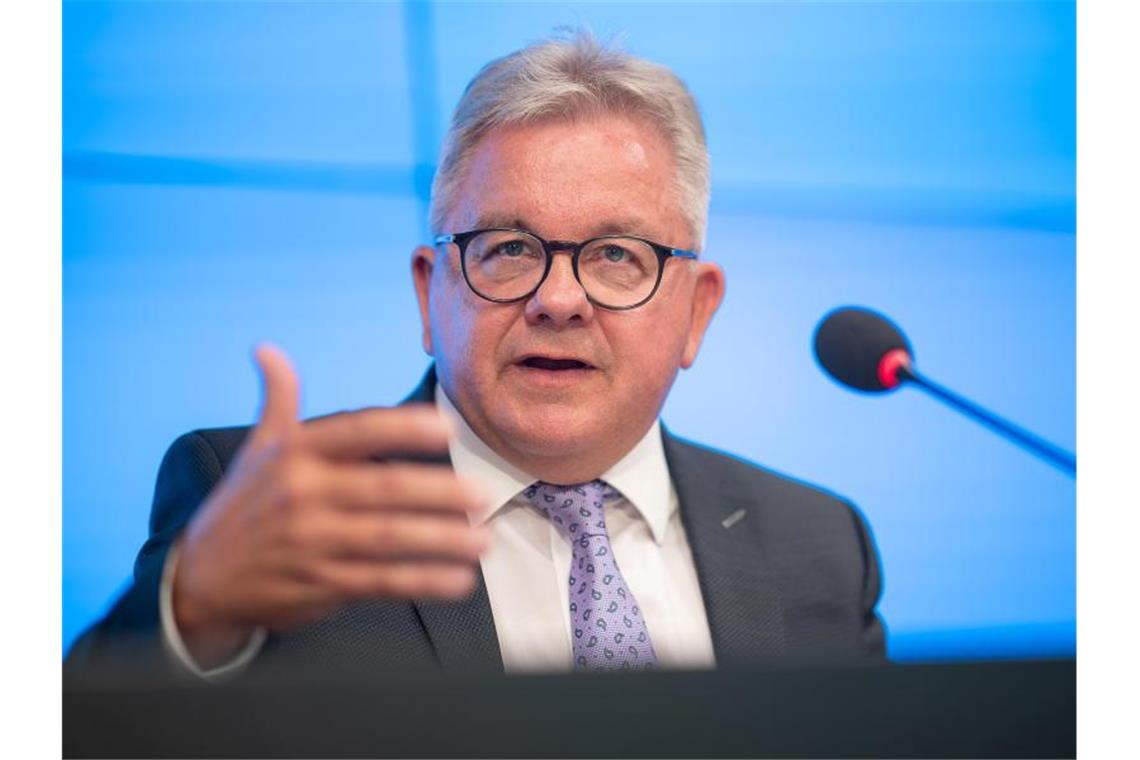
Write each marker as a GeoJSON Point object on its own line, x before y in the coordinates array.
{"type": "Point", "coordinates": [462, 633]}
{"type": "Point", "coordinates": [743, 605]}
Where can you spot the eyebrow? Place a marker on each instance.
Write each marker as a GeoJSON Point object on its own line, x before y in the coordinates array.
{"type": "Point", "coordinates": [613, 226]}
{"type": "Point", "coordinates": [491, 221]}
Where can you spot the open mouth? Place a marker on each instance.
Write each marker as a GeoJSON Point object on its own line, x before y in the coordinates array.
{"type": "Point", "coordinates": [554, 365]}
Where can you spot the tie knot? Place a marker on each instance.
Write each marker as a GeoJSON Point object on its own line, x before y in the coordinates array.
{"type": "Point", "coordinates": [576, 510]}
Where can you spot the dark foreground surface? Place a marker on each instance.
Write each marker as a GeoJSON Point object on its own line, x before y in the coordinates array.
{"type": "Point", "coordinates": [997, 709]}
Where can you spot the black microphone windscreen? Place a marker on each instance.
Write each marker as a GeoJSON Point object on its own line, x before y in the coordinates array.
{"type": "Point", "coordinates": [850, 343]}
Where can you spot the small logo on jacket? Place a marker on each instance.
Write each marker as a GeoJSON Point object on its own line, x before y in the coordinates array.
{"type": "Point", "coordinates": [733, 519]}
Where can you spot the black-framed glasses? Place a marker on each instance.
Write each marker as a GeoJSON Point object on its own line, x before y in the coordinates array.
{"type": "Point", "coordinates": [616, 272]}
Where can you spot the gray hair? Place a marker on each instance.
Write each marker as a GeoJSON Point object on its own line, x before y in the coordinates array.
{"type": "Point", "coordinates": [567, 78]}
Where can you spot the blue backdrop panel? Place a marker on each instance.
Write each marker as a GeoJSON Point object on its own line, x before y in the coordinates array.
{"type": "Point", "coordinates": [245, 171]}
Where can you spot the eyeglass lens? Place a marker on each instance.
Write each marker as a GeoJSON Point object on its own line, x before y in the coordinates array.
{"type": "Point", "coordinates": [614, 271]}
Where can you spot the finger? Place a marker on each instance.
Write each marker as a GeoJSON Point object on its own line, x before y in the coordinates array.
{"type": "Point", "coordinates": [399, 580]}
{"type": "Point", "coordinates": [409, 429]}
{"type": "Point", "coordinates": [280, 402]}
{"type": "Point", "coordinates": [401, 486]}
{"type": "Point", "coordinates": [398, 536]}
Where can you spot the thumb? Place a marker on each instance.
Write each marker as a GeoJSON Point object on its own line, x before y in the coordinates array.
{"type": "Point", "coordinates": [280, 394]}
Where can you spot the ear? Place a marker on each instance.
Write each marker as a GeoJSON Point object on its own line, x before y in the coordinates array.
{"type": "Point", "coordinates": [708, 293]}
{"type": "Point", "coordinates": [423, 263]}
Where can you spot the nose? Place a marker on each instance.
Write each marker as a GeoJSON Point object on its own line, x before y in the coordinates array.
{"type": "Point", "coordinates": [560, 301]}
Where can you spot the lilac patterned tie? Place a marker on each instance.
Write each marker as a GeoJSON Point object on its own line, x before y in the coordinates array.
{"type": "Point", "coordinates": [607, 628]}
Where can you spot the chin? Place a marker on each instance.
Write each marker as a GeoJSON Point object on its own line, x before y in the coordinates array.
{"type": "Point", "coordinates": [546, 430]}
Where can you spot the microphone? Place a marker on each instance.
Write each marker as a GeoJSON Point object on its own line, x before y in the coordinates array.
{"type": "Point", "coordinates": [862, 349]}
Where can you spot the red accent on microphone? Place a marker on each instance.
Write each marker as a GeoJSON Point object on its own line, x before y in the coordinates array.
{"type": "Point", "coordinates": [890, 364]}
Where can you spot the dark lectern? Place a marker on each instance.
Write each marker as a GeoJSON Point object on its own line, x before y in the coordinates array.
{"type": "Point", "coordinates": [995, 709]}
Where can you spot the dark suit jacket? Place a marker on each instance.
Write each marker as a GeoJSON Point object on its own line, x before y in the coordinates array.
{"type": "Point", "coordinates": [789, 574]}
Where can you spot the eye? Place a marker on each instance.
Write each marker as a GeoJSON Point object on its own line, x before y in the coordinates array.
{"type": "Point", "coordinates": [510, 249]}
{"type": "Point", "coordinates": [615, 254]}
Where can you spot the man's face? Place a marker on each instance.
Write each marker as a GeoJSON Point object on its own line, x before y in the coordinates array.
{"type": "Point", "coordinates": [565, 180]}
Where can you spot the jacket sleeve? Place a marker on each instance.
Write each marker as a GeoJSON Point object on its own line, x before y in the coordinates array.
{"type": "Point", "coordinates": [872, 634]}
{"type": "Point", "coordinates": [127, 641]}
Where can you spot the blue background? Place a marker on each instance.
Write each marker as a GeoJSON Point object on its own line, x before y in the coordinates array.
{"type": "Point", "coordinates": [235, 172]}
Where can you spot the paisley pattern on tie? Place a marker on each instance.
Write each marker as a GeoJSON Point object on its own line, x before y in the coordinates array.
{"type": "Point", "coordinates": [606, 625]}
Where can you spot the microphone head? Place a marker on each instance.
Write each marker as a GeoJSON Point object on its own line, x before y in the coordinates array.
{"type": "Point", "coordinates": [862, 349]}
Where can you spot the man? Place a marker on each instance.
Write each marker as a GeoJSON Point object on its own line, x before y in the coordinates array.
{"type": "Point", "coordinates": [525, 510]}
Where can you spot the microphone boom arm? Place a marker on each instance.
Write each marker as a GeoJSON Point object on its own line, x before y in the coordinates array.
{"type": "Point", "coordinates": [1034, 444]}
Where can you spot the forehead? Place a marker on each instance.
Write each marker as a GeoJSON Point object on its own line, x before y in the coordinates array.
{"type": "Point", "coordinates": [571, 179]}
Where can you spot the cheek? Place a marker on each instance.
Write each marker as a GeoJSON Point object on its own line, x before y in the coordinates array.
{"type": "Point", "coordinates": [647, 351]}
{"type": "Point", "coordinates": [465, 330]}
{"type": "Point", "coordinates": [453, 320]}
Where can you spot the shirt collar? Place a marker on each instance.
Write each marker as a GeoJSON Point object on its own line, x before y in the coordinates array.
{"type": "Point", "coordinates": [642, 475]}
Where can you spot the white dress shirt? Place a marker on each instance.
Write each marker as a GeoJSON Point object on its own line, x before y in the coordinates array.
{"type": "Point", "coordinates": [527, 567]}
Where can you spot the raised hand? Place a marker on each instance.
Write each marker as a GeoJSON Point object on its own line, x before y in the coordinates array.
{"type": "Point", "coordinates": [306, 520]}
